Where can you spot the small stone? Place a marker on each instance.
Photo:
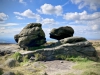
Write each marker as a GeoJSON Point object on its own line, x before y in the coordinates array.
{"type": "Point", "coordinates": [61, 62]}
{"type": "Point", "coordinates": [32, 58]}
{"type": "Point", "coordinates": [8, 73]}
{"type": "Point", "coordinates": [10, 62]}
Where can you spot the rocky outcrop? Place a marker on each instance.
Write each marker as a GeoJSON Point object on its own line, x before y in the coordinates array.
{"type": "Point", "coordinates": [72, 46]}
{"type": "Point", "coordinates": [32, 35]}
{"type": "Point", "coordinates": [10, 62]}
{"type": "Point", "coordinates": [62, 32]}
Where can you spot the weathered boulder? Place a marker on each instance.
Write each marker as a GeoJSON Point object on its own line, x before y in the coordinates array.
{"type": "Point", "coordinates": [71, 46]}
{"type": "Point", "coordinates": [73, 40]}
{"type": "Point", "coordinates": [32, 35]}
{"type": "Point", "coordinates": [8, 73]}
{"type": "Point", "coordinates": [10, 62]}
{"type": "Point", "coordinates": [62, 32]}
{"type": "Point", "coordinates": [16, 37]}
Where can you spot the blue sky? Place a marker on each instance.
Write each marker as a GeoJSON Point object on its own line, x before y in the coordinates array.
{"type": "Point", "coordinates": [82, 15]}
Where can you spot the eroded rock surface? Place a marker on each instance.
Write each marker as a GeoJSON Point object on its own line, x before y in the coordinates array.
{"type": "Point", "coordinates": [32, 35]}
{"type": "Point", "coordinates": [61, 32]}
{"type": "Point", "coordinates": [72, 46]}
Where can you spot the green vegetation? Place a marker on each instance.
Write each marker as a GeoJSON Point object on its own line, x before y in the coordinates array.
{"type": "Point", "coordinates": [19, 73]}
{"type": "Point", "coordinates": [70, 74]}
{"type": "Point", "coordinates": [1, 71]}
{"type": "Point", "coordinates": [71, 58]}
{"type": "Point", "coordinates": [35, 48]}
{"type": "Point", "coordinates": [89, 67]}
{"type": "Point", "coordinates": [17, 56]}
{"type": "Point", "coordinates": [25, 58]}
{"type": "Point", "coordinates": [39, 56]}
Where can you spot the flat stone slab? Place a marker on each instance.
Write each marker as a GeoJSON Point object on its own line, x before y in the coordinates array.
{"type": "Point", "coordinates": [8, 48]}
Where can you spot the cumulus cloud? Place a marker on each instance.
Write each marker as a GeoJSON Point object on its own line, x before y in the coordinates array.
{"type": "Point", "coordinates": [20, 18]}
{"type": "Point", "coordinates": [10, 32]}
{"type": "Point", "coordinates": [23, 2]}
{"type": "Point", "coordinates": [81, 16]}
{"type": "Point", "coordinates": [94, 24]}
{"type": "Point", "coordinates": [92, 4]}
{"type": "Point", "coordinates": [50, 9]}
{"type": "Point", "coordinates": [48, 21]}
{"type": "Point", "coordinates": [3, 17]}
{"type": "Point", "coordinates": [9, 29]}
{"type": "Point", "coordinates": [8, 24]}
{"type": "Point", "coordinates": [29, 14]}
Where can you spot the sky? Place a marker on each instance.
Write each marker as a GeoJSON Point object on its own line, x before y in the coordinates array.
{"type": "Point", "coordinates": [82, 15]}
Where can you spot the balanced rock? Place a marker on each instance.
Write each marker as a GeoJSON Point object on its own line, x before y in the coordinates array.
{"type": "Point", "coordinates": [32, 35]}
{"type": "Point", "coordinates": [62, 32]}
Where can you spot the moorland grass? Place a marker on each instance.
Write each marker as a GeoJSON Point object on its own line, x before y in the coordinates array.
{"type": "Point", "coordinates": [89, 67]}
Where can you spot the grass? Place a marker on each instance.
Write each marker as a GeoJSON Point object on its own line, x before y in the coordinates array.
{"type": "Point", "coordinates": [88, 67]}
{"type": "Point", "coordinates": [71, 58]}
{"type": "Point", "coordinates": [18, 73]}
{"type": "Point", "coordinates": [70, 74]}
{"type": "Point", "coordinates": [35, 48]}
{"type": "Point", "coordinates": [1, 71]}
{"type": "Point", "coordinates": [17, 56]}
{"type": "Point", "coordinates": [39, 56]}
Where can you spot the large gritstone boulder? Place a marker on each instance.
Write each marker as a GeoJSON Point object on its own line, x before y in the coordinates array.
{"type": "Point", "coordinates": [32, 35]}
{"type": "Point", "coordinates": [61, 33]}
{"type": "Point", "coordinates": [67, 47]}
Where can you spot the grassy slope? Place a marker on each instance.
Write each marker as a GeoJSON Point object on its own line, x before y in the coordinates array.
{"type": "Point", "coordinates": [85, 67]}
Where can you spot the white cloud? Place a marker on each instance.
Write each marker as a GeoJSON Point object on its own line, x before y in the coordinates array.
{"type": "Point", "coordinates": [50, 9]}
{"type": "Point", "coordinates": [95, 27]}
{"type": "Point", "coordinates": [20, 18]}
{"type": "Point", "coordinates": [94, 24]}
{"type": "Point", "coordinates": [92, 4]}
{"type": "Point", "coordinates": [9, 32]}
{"type": "Point", "coordinates": [22, 1]}
{"type": "Point", "coordinates": [81, 16]}
{"type": "Point", "coordinates": [2, 28]}
{"type": "Point", "coordinates": [48, 21]}
{"type": "Point", "coordinates": [3, 17]}
{"type": "Point", "coordinates": [9, 29]}
{"type": "Point", "coordinates": [29, 14]}
{"type": "Point", "coordinates": [8, 24]}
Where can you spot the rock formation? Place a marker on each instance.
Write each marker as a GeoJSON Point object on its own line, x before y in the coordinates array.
{"type": "Point", "coordinates": [61, 33]}
{"type": "Point", "coordinates": [71, 46]}
{"type": "Point", "coordinates": [32, 35]}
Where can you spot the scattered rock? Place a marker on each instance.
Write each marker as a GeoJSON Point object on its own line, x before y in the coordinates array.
{"type": "Point", "coordinates": [62, 32]}
{"type": "Point", "coordinates": [10, 62]}
{"type": "Point", "coordinates": [32, 35]}
{"type": "Point", "coordinates": [8, 49]}
{"type": "Point", "coordinates": [61, 62]}
{"type": "Point", "coordinates": [8, 73]}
